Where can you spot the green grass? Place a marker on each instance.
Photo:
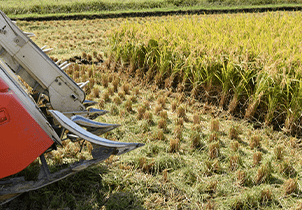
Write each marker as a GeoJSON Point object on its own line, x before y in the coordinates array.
{"type": "Point", "coordinates": [129, 12]}
{"type": "Point", "coordinates": [38, 8]}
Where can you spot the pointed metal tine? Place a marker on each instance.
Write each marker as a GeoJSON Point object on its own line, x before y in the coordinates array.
{"type": "Point", "coordinates": [94, 113]}
{"type": "Point", "coordinates": [72, 113]}
{"type": "Point", "coordinates": [42, 48]}
{"type": "Point", "coordinates": [47, 50]}
{"type": "Point", "coordinates": [100, 131]}
{"type": "Point", "coordinates": [73, 137]}
{"type": "Point", "coordinates": [91, 113]}
{"type": "Point", "coordinates": [83, 84]}
{"type": "Point", "coordinates": [82, 121]}
{"type": "Point", "coordinates": [88, 103]}
{"type": "Point", "coordinates": [64, 67]}
{"type": "Point", "coordinates": [119, 147]}
{"type": "Point", "coordinates": [58, 62]}
{"type": "Point", "coordinates": [80, 83]}
{"type": "Point", "coordinates": [29, 34]}
{"type": "Point", "coordinates": [63, 64]}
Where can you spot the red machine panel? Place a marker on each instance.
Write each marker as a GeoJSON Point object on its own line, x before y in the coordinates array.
{"type": "Point", "coordinates": [22, 139]}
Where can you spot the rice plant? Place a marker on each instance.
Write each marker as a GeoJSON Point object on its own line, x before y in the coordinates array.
{"type": "Point", "coordinates": [249, 64]}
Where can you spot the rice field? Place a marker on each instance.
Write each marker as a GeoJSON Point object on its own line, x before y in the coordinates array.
{"type": "Point", "coordinates": [178, 84]}
{"type": "Point", "coordinates": [248, 64]}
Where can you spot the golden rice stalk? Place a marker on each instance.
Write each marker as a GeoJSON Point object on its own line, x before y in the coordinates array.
{"type": "Point", "coordinates": [162, 124]}
{"type": "Point", "coordinates": [126, 88]}
{"type": "Point", "coordinates": [179, 121]}
{"type": "Point", "coordinates": [233, 133]}
{"type": "Point", "coordinates": [174, 145]}
{"type": "Point", "coordinates": [257, 157]}
{"type": "Point", "coordinates": [234, 162]}
{"type": "Point", "coordinates": [241, 177]}
{"type": "Point", "coordinates": [178, 132]}
{"type": "Point", "coordinates": [290, 186]}
{"type": "Point", "coordinates": [148, 117]}
{"type": "Point", "coordinates": [140, 112]}
{"type": "Point", "coordinates": [279, 152]}
{"type": "Point", "coordinates": [164, 114]}
{"type": "Point", "coordinates": [174, 106]}
{"type": "Point", "coordinates": [214, 150]}
{"type": "Point", "coordinates": [195, 140]}
{"type": "Point", "coordinates": [214, 126]}
{"type": "Point", "coordinates": [266, 195]}
{"type": "Point", "coordinates": [213, 137]}
{"type": "Point", "coordinates": [160, 135]}
{"type": "Point", "coordinates": [235, 146]}
{"type": "Point", "coordinates": [255, 141]}
{"type": "Point", "coordinates": [128, 105]}
{"type": "Point", "coordinates": [196, 119]}
{"type": "Point", "coordinates": [263, 174]}
{"type": "Point", "coordinates": [165, 175]}
{"type": "Point", "coordinates": [181, 111]}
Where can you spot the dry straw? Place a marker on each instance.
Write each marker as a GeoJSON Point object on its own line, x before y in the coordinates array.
{"type": "Point", "coordinates": [234, 162]}
{"type": "Point", "coordinates": [290, 186]}
{"type": "Point", "coordinates": [241, 177]}
{"type": "Point", "coordinates": [174, 145]}
{"type": "Point", "coordinates": [181, 112]}
{"type": "Point", "coordinates": [263, 174]}
{"type": "Point", "coordinates": [165, 175]}
{"type": "Point", "coordinates": [279, 151]}
{"type": "Point", "coordinates": [213, 137]}
{"type": "Point", "coordinates": [140, 112]}
{"type": "Point", "coordinates": [196, 119]}
{"type": "Point", "coordinates": [162, 124]}
{"type": "Point", "coordinates": [195, 140]}
{"type": "Point", "coordinates": [214, 150]}
{"type": "Point", "coordinates": [214, 126]}
{"type": "Point", "coordinates": [148, 117]}
{"type": "Point", "coordinates": [257, 157]}
{"type": "Point", "coordinates": [235, 146]}
{"type": "Point", "coordinates": [233, 133]}
{"type": "Point", "coordinates": [174, 106]}
{"type": "Point", "coordinates": [266, 195]}
{"type": "Point", "coordinates": [255, 141]}
{"type": "Point", "coordinates": [178, 132]}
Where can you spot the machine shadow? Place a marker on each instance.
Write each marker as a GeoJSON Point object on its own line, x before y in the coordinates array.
{"type": "Point", "coordinates": [84, 190]}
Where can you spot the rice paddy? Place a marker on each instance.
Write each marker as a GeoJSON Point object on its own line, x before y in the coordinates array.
{"type": "Point", "coordinates": [248, 64]}
{"type": "Point", "coordinates": [192, 88]}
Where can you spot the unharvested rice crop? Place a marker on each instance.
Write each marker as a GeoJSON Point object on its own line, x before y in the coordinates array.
{"type": "Point", "coordinates": [249, 64]}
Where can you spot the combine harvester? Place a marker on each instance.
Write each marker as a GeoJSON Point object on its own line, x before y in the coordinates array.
{"type": "Point", "coordinates": [37, 121]}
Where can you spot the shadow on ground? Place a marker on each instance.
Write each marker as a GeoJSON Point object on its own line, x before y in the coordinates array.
{"type": "Point", "coordinates": [85, 190]}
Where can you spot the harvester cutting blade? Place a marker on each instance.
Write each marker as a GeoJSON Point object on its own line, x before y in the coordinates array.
{"type": "Point", "coordinates": [119, 147]}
